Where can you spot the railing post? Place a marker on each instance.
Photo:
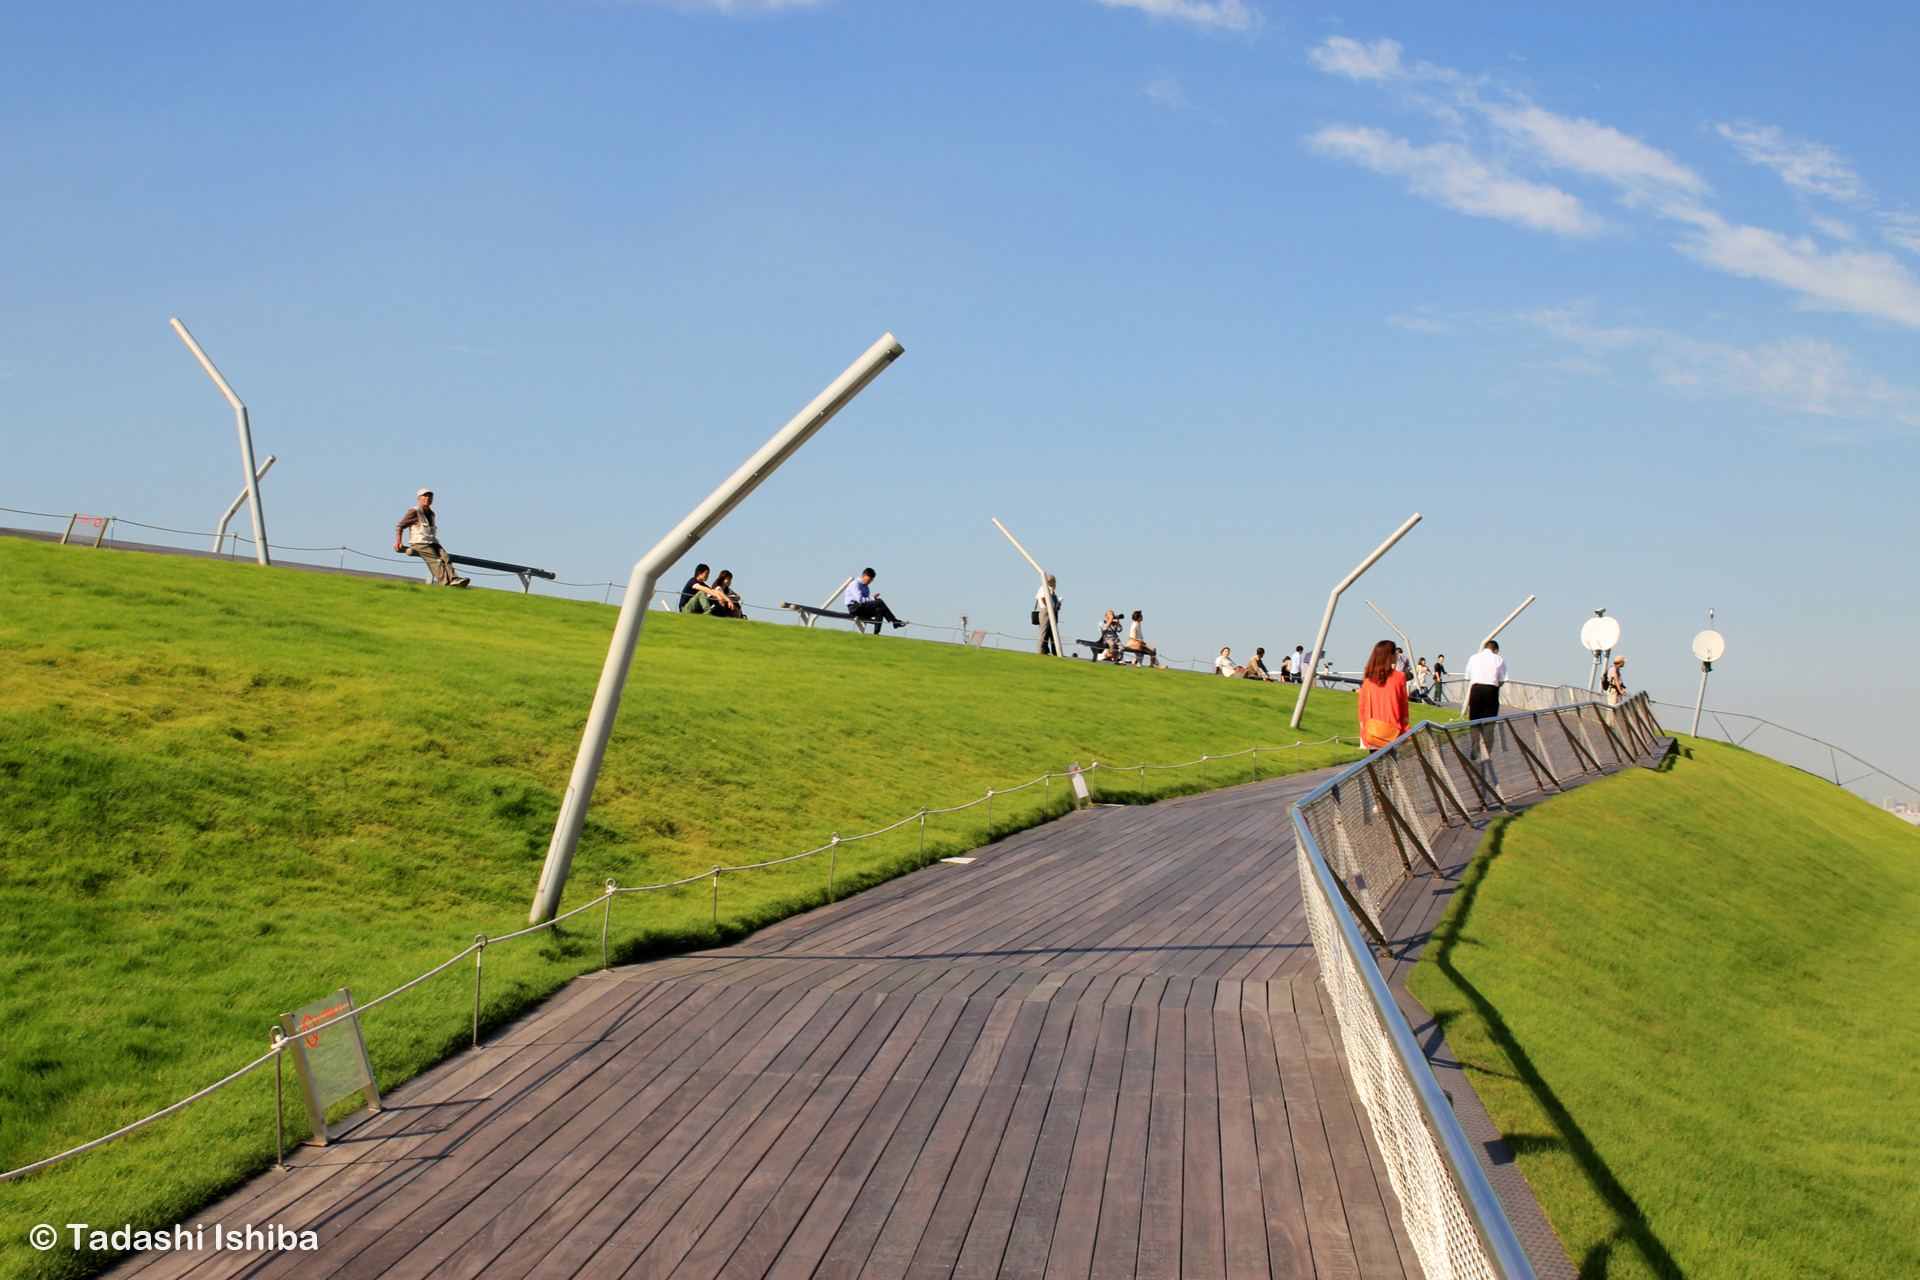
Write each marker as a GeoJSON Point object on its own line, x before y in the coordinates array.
{"type": "Point", "coordinates": [923, 835]}
{"type": "Point", "coordinates": [479, 954]}
{"type": "Point", "coordinates": [716, 895]}
{"type": "Point", "coordinates": [989, 815]}
{"type": "Point", "coordinates": [1203, 771]}
{"type": "Point", "coordinates": [605, 920]}
{"type": "Point", "coordinates": [279, 1113]}
{"type": "Point", "coordinates": [833, 859]}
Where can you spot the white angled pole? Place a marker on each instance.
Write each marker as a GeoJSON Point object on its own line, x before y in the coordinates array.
{"type": "Point", "coordinates": [252, 473]}
{"type": "Point", "coordinates": [633, 610]}
{"type": "Point", "coordinates": [1509, 618]}
{"type": "Point", "coordinates": [1053, 623]}
{"type": "Point", "coordinates": [220, 537]}
{"type": "Point", "coordinates": [1405, 643]}
{"type": "Point", "coordinates": [1326, 621]}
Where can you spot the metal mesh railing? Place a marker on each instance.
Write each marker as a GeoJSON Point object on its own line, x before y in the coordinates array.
{"type": "Point", "coordinates": [1360, 836]}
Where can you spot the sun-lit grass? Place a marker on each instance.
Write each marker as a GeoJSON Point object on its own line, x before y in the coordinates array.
{"type": "Point", "coordinates": [1688, 1001]}
{"type": "Point", "coordinates": [226, 791]}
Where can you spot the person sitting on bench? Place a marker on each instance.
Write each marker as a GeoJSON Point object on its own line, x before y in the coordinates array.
{"type": "Point", "coordinates": [864, 606]}
{"type": "Point", "coordinates": [1109, 638]}
{"type": "Point", "coordinates": [716, 601]}
{"type": "Point", "coordinates": [1144, 654]}
{"type": "Point", "coordinates": [424, 541]}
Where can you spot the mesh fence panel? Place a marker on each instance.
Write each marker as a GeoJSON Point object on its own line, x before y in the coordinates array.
{"type": "Point", "coordinates": [1436, 1220]}
{"type": "Point", "coordinates": [1373, 826]}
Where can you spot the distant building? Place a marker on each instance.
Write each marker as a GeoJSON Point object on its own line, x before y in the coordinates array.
{"type": "Point", "coordinates": [1909, 812]}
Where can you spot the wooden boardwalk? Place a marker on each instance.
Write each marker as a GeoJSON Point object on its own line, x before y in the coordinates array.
{"type": "Point", "coordinates": [1100, 1050]}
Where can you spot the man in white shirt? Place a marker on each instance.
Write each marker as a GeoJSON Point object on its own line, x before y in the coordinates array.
{"type": "Point", "coordinates": [1486, 672]}
{"type": "Point", "coordinates": [1046, 607]}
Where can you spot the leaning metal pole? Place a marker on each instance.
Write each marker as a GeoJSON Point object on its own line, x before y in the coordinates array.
{"type": "Point", "coordinates": [1326, 621]}
{"type": "Point", "coordinates": [246, 442]}
{"type": "Point", "coordinates": [220, 537]}
{"type": "Point", "coordinates": [1053, 623]}
{"type": "Point", "coordinates": [1510, 617]}
{"type": "Point", "coordinates": [1397, 631]}
{"type": "Point", "coordinates": [633, 610]}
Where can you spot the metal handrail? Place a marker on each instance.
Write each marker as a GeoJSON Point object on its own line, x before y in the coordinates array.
{"type": "Point", "coordinates": [1490, 1221]}
{"type": "Point", "coordinates": [1495, 1231]}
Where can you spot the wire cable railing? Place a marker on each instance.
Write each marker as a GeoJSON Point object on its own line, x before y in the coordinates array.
{"type": "Point", "coordinates": [1360, 836]}
{"type": "Point", "coordinates": [958, 635]}
{"type": "Point", "coordinates": [1093, 776]}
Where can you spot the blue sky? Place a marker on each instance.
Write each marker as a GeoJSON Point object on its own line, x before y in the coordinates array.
{"type": "Point", "coordinates": [1201, 299]}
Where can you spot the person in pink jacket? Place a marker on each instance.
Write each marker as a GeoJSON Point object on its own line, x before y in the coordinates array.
{"type": "Point", "coordinates": [1383, 699]}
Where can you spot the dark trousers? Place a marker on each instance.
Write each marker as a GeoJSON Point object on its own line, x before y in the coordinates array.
{"type": "Point", "coordinates": [874, 611]}
{"type": "Point", "coordinates": [1483, 702]}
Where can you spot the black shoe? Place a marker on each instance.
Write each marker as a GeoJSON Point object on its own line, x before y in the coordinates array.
{"type": "Point", "coordinates": [897, 624]}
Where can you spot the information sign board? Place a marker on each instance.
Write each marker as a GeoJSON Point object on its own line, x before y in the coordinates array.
{"type": "Point", "coordinates": [330, 1061]}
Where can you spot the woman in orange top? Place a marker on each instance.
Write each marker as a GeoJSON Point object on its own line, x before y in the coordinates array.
{"type": "Point", "coordinates": [1383, 699]}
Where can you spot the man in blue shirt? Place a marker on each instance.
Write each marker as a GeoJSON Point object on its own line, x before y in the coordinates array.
{"type": "Point", "coordinates": [697, 583]}
{"type": "Point", "coordinates": [866, 606]}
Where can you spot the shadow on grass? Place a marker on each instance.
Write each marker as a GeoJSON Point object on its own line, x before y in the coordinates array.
{"type": "Point", "coordinates": [1631, 1226]}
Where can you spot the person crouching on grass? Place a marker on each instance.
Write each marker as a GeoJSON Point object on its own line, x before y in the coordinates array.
{"type": "Point", "coordinates": [1383, 699]}
{"type": "Point", "coordinates": [424, 541]}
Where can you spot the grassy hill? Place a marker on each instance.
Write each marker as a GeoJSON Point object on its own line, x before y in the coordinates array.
{"type": "Point", "coordinates": [227, 791]}
{"type": "Point", "coordinates": [1688, 1001]}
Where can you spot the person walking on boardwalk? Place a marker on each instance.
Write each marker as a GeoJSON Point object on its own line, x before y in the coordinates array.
{"type": "Point", "coordinates": [424, 541]}
{"type": "Point", "coordinates": [1486, 672]}
{"type": "Point", "coordinates": [1383, 699]}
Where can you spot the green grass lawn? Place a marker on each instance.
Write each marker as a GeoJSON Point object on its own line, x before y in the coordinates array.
{"type": "Point", "coordinates": [226, 791]}
{"type": "Point", "coordinates": [1689, 1002]}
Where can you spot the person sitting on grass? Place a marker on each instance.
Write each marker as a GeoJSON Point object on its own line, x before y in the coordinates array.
{"type": "Point", "coordinates": [1255, 668]}
{"type": "Point", "coordinates": [865, 606]}
{"type": "Point", "coordinates": [1224, 666]}
{"type": "Point", "coordinates": [717, 601]}
{"type": "Point", "coordinates": [1383, 699]}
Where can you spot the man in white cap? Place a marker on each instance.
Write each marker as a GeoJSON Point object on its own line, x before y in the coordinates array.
{"type": "Point", "coordinates": [424, 541]}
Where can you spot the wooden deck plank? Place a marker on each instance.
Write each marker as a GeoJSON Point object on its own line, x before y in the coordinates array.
{"type": "Point", "coordinates": [1099, 1050]}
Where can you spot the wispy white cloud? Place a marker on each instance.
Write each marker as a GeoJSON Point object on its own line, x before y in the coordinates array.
{"type": "Point", "coordinates": [1596, 150]}
{"type": "Point", "coordinates": [1902, 229]}
{"type": "Point", "coordinates": [1222, 15]}
{"type": "Point", "coordinates": [1808, 167]}
{"type": "Point", "coordinates": [1347, 57]}
{"type": "Point", "coordinates": [1490, 133]}
{"type": "Point", "coordinates": [1873, 284]}
{"type": "Point", "coordinates": [1801, 375]}
{"type": "Point", "coordinates": [1451, 175]}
